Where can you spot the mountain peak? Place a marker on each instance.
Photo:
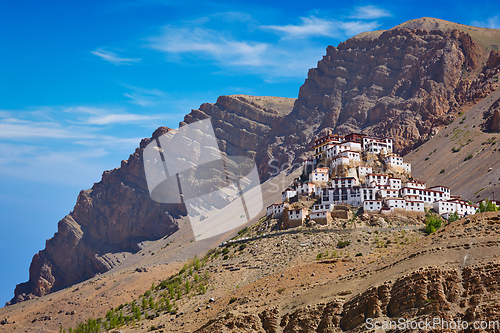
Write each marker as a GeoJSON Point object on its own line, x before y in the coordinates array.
{"type": "Point", "coordinates": [486, 36]}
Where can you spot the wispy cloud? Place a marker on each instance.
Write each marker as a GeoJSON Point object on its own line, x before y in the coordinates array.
{"type": "Point", "coordinates": [314, 26]}
{"type": "Point", "coordinates": [119, 119]}
{"type": "Point", "coordinates": [143, 96]}
{"type": "Point", "coordinates": [114, 58]}
{"type": "Point", "coordinates": [271, 59]}
{"type": "Point", "coordinates": [100, 116]}
{"type": "Point", "coordinates": [44, 164]}
{"type": "Point", "coordinates": [12, 129]}
{"type": "Point", "coordinates": [209, 42]}
{"type": "Point", "coordinates": [310, 26]}
{"type": "Point", "coordinates": [60, 151]}
{"type": "Point", "coordinates": [492, 23]}
{"type": "Point", "coordinates": [356, 27]}
{"type": "Point", "coordinates": [236, 42]}
{"type": "Point", "coordinates": [369, 13]}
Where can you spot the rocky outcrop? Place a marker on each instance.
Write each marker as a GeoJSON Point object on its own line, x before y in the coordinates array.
{"type": "Point", "coordinates": [493, 59]}
{"type": "Point", "coordinates": [242, 122]}
{"type": "Point", "coordinates": [117, 213]}
{"type": "Point", "coordinates": [492, 118]}
{"type": "Point", "coordinates": [404, 83]}
{"type": "Point", "coordinates": [467, 294]}
{"type": "Point", "coordinates": [111, 217]}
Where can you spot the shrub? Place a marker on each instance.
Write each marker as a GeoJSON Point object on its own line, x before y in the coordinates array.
{"type": "Point", "coordinates": [197, 264]}
{"type": "Point", "coordinates": [242, 231]}
{"type": "Point", "coordinates": [455, 150]}
{"type": "Point", "coordinates": [487, 206]}
{"type": "Point", "coordinates": [342, 244]}
{"type": "Point", "coordinates": [468, 157]}
{"type": "Point", "coordinates": [453, 217]}
{"type": "Point", "coordinates": [442, 171]}
{"type": "Point", "coordinates": [203, 289]}
{"type": "Point", "coordinates": [432, 222]}
{"type": "Point", "coordinates": [359, 254]}
{"type": "Point", "coordinates": [319, 256]}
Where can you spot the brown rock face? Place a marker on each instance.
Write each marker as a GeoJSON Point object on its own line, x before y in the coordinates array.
{"type": "Point", "coordinates": [242, 122]}
{"type": "Point", "coordinates": [493, 59]}
{"type": "Point", "coordinates": [492, 118]}
{"type": "Point", "coordinates": [117, 213]}
{"type": "Point", "coordinates": [403, 83]}
{"type": "Point", "coordinates": [111, 217]}
{"type": "Point", "coordinates": [468, 294]}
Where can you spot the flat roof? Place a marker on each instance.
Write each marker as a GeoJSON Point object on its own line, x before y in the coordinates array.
{"type": "Point", "coordinates": [440, 186]}
{"type": "Point", "coordinates": [343, 178]}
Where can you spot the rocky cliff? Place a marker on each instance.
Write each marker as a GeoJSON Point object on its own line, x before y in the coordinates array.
{"type": "Point", "coordinates": [456, 295]}
{"type": "Point", "coordinates": [406, 83]}
{"type": "Point", "coordinates": [241, 122]}
{"type": "Point", "coordinates": [110, 219]}
{"type": "Point", "coordinates": [452, 275]}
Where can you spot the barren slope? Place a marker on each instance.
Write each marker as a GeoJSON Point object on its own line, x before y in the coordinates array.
{"type": "Point", "coordinates": [478, 177]}
{"type": "Point", "coordinates": [406, 83]}
{"type": "Point", "coordinates": [111, 219]}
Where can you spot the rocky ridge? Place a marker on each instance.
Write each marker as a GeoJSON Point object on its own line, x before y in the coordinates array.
{"type": "Point", "coordinates": [460, 283]}
{"type": "Point", "coordinates": [405, 83]}
{"type": "Point", "coordinates": [110, 218]}
{"type": "Point", "coordinates": [116, 214]}
{"type": "Point", "coordinates": [241, 122]}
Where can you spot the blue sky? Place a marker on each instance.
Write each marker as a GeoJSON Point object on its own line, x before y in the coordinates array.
{"type": "Point", "coordinates": [82, 82]}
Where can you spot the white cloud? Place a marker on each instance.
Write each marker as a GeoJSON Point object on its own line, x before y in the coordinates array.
{"type": "Point", "coordinates": [313, 26]}
{"type": "Point", "coordinates": [356, 27]}
{"type": "Point", "coordinates": [369, 13]}
{"type": "Point", "coordinates": [60, 150]}
{"type": "Point", "coordinates": [41, 164]}
{"type": "Point", "coordinates": [114, 58]}
{"type": "Point", "coordinates": [492, 23]}
{"type": "Point", "coordinates": [209, 42]}
{"type": "Point", "coordinates": [16, 129]}
{"type": "Point", "coordinates": [289, 56]}
{"type": "Point", "coordinates": [118, 119]}
{"type": "Point", "coordinates": [282, 59]}
{"type": "Point", "coordinates": [143, 96]}
{"type": "Point", "coordinates": [107, 117]}
{"type": "Point", "coordinates": [5, 114]}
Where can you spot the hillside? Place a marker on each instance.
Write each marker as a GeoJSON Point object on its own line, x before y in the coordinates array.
{"type": "Point", "coordinates": [112, 219]}
{"type": "Point", "coordinates": [452, 275]}
{"type": "Point", "coordinates": [277, 283]}
{"type": "Point", "coordinates": [463, 155]}
{"type": "Point", "coordinates": [429, 84]}
{"type": "Point", "coordinates": [406, 83]}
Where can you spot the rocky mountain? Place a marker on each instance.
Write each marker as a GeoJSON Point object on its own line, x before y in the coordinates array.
{"type": "Point", "coordinates": [107, 222]}
{"type": "Point", "coordinates": [406, 83]}
{"type": "Point", "coordinates": [452, 275]}
{"type": "Point", "coordinates": [116, 214]}
{"type": "Point", "coordinates": [464, 154]}
{"type": "Point", "coordinates": [409, 82]}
